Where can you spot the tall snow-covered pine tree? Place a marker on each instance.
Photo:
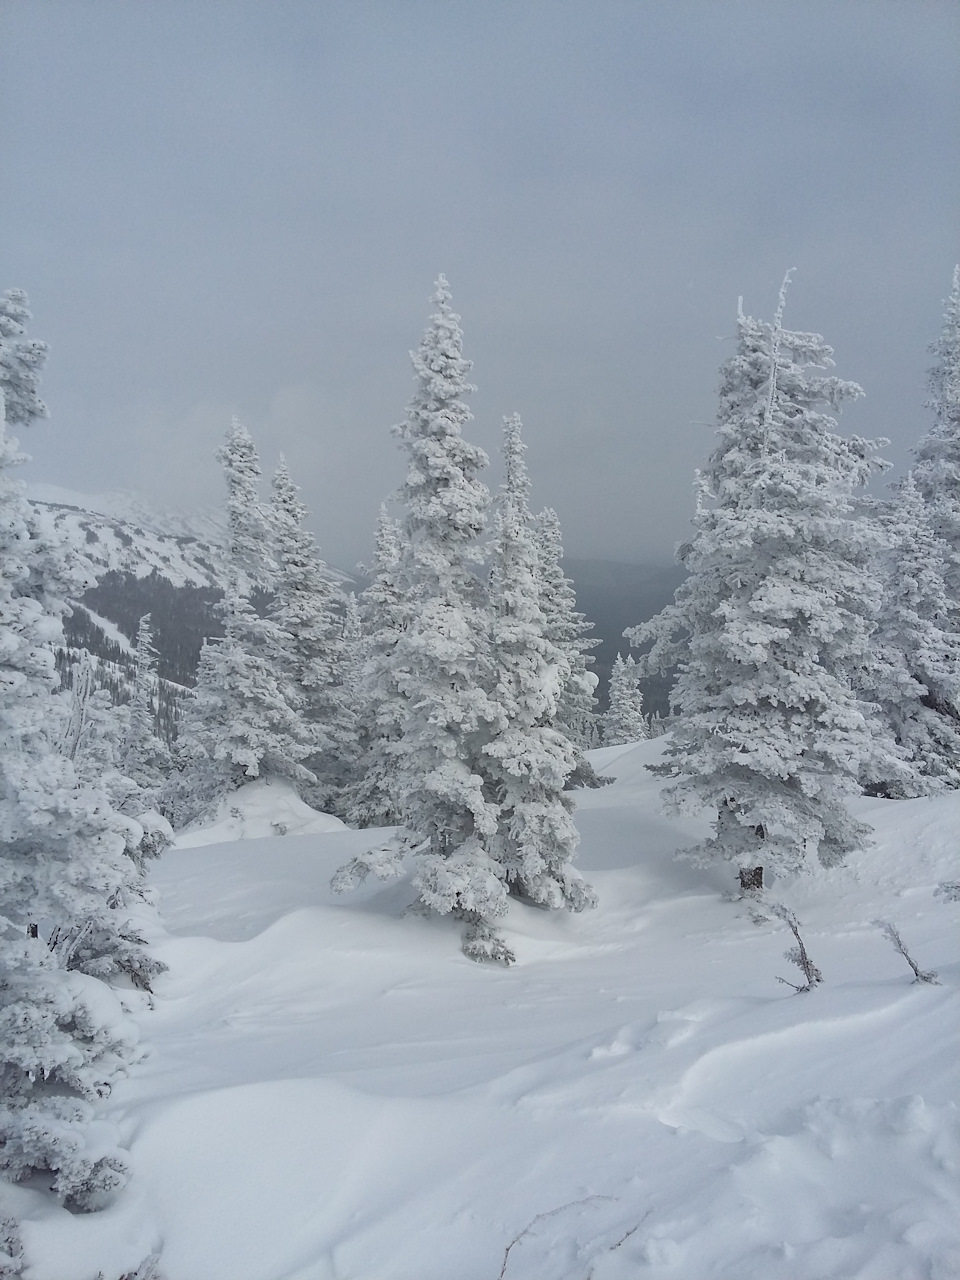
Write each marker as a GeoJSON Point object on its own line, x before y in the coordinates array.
{"type": "Point", "coordinates": [777, 609]}
{"type": "Point", "coordinates": [373, 799]}
{"type": "Point", "coordinates": [309, 608]}
{"type": "Point", "coordinates": [245, 719]}
{"type": "Point", "coordinates": [570, 630]}
{"type": "Point", "coordinates": [64, 1038]}
{"type": "Point", "coordinates": [913, 670]}
{"type": "Point", "coordinates": [530, 758]}
{"type": "Point", "coordinates": [437, 674]}
{"type": "Point", "coordinates": [936, 472]}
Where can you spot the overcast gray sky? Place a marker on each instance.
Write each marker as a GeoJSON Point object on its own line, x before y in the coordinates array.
{"type": "Point", "coordinates": [228, 207]}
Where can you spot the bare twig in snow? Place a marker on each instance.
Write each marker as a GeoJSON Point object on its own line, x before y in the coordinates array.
{"type": "Point", "coordinates": [625, 1237]}
{"type": "Point", "coordinates": [550, 1213]}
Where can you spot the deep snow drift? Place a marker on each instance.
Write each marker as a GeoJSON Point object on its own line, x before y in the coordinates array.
{"type": "Point", "coordinates": [334, 1092]}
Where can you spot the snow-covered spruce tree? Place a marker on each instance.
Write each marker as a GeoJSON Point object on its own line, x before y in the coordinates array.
{"type": "Point", "coordinates": [309, 608]}
{"type": "Point", "coordinates": [144, 756]}
{"type": "Point", "coordinates": [438, 673]}
{"type": "Point", "coordinates": [569, 630]}
{"type": "Point", "coordinates": [245, 719]}
{"type": "Point", "coordinates": [778, 608]}
{"type": "Point", "coordinates": [529, 758]}
{"type": "Point", "coordinates": [113, 945]}
{"type": "Point", "coordinates": [64, 1037]}
{"type": "Point", "coordinates": [937, 469]}
{"type": "Point", "coordinates": [913, 669]}
{"type": "Point", "coordinates": [624, 721]}
{"type": "Point", "coordinates": [441, 665]}
{"type": "Point", "coordinates": [21, 360]}
{"type": "Point", "coordinates": [98, 741]}
{"type": "Point", "coordinates": [656, 725]}
{"type": "Point", "coordinates": [373, 800]}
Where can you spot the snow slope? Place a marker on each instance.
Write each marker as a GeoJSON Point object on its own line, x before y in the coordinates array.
{"type": "Point", "coordinates": [139, 541]}
{"type": "Point", "coordinates": [335, 1093]}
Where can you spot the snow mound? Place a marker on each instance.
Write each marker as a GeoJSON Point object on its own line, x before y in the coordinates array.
{"type": "Point", "coordinates": [266, 807]}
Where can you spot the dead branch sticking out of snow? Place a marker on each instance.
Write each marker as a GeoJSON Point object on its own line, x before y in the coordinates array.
{"type": "Point", "coordinates": [541, 1217]}
{"type": "Point", "coordinates": [624, 1238]}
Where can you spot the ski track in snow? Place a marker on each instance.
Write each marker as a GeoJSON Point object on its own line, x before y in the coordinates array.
{"type": "Point", "coordinates": [335, 1093]}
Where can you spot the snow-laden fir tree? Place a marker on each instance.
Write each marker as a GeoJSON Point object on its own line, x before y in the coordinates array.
{"type": "Point", "coordinates": [656, 725]}
{"type": "Point", "coordinates": [373, 798]}
{"type": "Point", "coordinates": [309, 608]}
{"type": "Point", "coordinates": [351, 635]}
{"type": "Point", "coordinates": [439, 672]}
{"type": "Point", "coordinates": [245, 719]}
{"type": "Point", "coordinates": [441, 665]}
{"type": "Point", "coordinates": [144, 756]}
{"type": "Point", "coordinates": [624, 721]}
{"type": "Point", "coordinates": [92, 742]}
{"type": "Point", "coordinates": [21, 360]}
{"type": "Point", "coordinates": [530, 758]}
{"type": "Point", "coordinates": [777, 609]}
{"type": "Point", "coordinates": [913, 669]}
{"type": "Point", "coordinates": [937, 469]}
{"type": "Point", "coordinates": [64, 1038]}
{"type": "Point", "coordinates": [249, 562]}
{"type": "Point", "coordinates": [569, 630]}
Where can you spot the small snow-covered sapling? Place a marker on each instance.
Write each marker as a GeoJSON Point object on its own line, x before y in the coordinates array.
{"type": "Point", "coordinates": [797, 955]}
{"type": "Point", "coordinates": [892, 934]}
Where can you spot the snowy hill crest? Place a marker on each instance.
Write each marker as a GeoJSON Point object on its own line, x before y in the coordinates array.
{"type": "Point", "coordinates": [186, 551]}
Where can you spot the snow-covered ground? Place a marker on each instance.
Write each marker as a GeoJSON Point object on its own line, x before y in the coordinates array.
{"type": "Point", "coordinates": [335, 1093]}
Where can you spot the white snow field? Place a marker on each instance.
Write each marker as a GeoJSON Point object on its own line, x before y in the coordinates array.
{"type": "Point", "coordinates": [333, 1092]}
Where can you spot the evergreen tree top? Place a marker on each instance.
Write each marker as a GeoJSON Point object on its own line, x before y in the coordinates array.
{"type": "Point", "coordinates": [247, 535]}
{"type": "Point", "coordinates": [774, 433]}
{"type": "Point", "coordinates": [21, 360]}
{"type": "Point", "coordinates": [446, 502]}
{"type": "Point", "coordinates": [517, 480]}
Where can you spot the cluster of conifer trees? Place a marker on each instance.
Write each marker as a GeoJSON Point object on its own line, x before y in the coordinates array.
{"type": "Point", "coordinates": [453, 699]}
{"type": "Point", "coordinates": [816, 637]}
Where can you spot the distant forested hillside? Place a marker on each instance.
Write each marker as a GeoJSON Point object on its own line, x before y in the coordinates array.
{"type": "Point", "coordinates": [175, 578]}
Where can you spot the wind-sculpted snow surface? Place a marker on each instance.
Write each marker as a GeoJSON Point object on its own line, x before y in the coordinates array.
{"type": "Point", "coordinates": [336, 1093]}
